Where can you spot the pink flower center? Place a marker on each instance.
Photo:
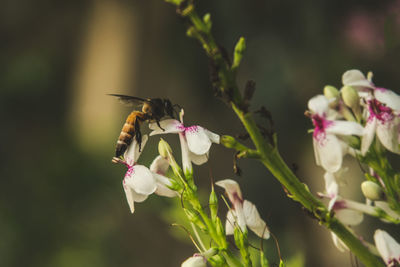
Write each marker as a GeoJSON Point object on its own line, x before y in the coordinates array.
{"type": "Point", "coordinates": [192, 129]}
{"type": "Point", "coordinates": [130, 171]}
{"type": "Point", "coordinates": [379, 111]}
{"type": "Point", "coordinates": [236, 199]}
{"type": "Point", "coordinates": [320, 124]}
{"type": "Point", "coordinates": [339, 205]}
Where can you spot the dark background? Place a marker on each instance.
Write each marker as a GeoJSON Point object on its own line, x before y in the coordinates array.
{"type": "Point", "coordinates": [61, 199]}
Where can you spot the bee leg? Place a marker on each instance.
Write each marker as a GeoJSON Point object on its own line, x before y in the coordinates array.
{"type": "Point", "coordinates": [138, 134]}
{"type": "Point", "coordinates": [158, 124]}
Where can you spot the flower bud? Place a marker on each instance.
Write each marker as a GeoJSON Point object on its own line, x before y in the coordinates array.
{"type": "Point", "coordinates": [331, 92]}
{"type": "Point", "coordinates": [213, 202]}
{"type": "Point", "coordinates": [194, 218]}
{"type": "Point", "coordinates": [207, 21]}
{"type": "Point", "coordinates": [164, 149]}
{"type": "Point", "coordinates": [238, 53]}
{"type": "Point", "coordinates": [350, 97]}
{"type": "Point", "coordinates": [372, 191]}
{"type": "Point", "coordinates": [230, 142]}
{"type": "Point", "coordinates": [221, 233]}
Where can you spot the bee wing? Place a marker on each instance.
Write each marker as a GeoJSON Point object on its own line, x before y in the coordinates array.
{"type": "Point", "coordinates": [131, 100]}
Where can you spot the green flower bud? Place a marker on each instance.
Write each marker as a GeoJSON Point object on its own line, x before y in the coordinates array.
{"type": "Point", "coordinates": [230, 142]}
{"type": "Point", "coordinates": [164, 149]}
{"type": "Point", "coordinates": [207, 21]}
{"type": "Point", "coordinates": [239, 51]}
{"type": "Point", "coordinates": [372, 191]}
{"type": "Point", "coordinates": [350, 97]}
{"type": "Point", "coordinates": [194, 218]}
{"type": "Point", "coordinates": [213, 202]}
{"type": "Point", "coordinates": [221, 232]}
{"type": "Point", "coordinates": [239, 237]}
{"type": "Point", "coordinates": [331, 92]}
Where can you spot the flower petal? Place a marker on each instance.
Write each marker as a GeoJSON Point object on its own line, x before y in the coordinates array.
{"type": "Point", "coordinates": [212, 136]}
{"type": "Point", "coordinates": [232, 190]}
{"type": "Point", "coordinates": [331, 188]}
{"type": "Point", "coordinates": [195, 261]}
{"type": "Point", "coordinates": [330, 153]}
{"type": "Point", "coordinates": [132, 153]}
{"type": "Point", "coordinates": [388, 97]}
{"type": "Point", "coordinates": [345, 128]}
{"type": "Point", "coordinates": [349, 217]}
{"type": "Point", "coordinates": [230, 222]}
{"type": "Point", "coordinates": [387, 247]}
{"type": "Point", "coordinates": [186, 161]}
{"type": "Point", "coordinates": [129, 197]}
{"type": "Point", "coordinates": [369, 134]}
{"type": "Point", "coordinates": [388, 134]}
{"type": "Point", "coordinates": [132, 197]}
{"type": "Point", "coordinates": [356, 79]}
{"type": "Point", "coordinates": [318, 104]}
{"type": "Point", "coordinates": [159, 165]}
{"type": "Point", "coordinates": [169, 126]}
{"type": "Point", "coordinates": [198, 141]}
{"type": "Point", "coordinates": [198, 159]}
{"type": "Point", "coordinates": [254, 221]}
{"type": "Point", "coordinates": [162, 186]}
{"type": "Point", "coordinates": [141, 180]}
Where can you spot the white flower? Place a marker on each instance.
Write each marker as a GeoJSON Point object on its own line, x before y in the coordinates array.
{"type": "Point", "coordinates": [340, 205]}
{"type": "Point", "coordinates": [356, 79]}
{"type": "Point", "coordinates": [195, 140]}
{"type": "Point", "coordinates": [387, 247]}
{"type": "Point", "coordinates": [383, 121]}
{"type": "Point", "coordinates": [139, 181]}
{"type": "Point", "coordinates": [197, 260]}
{"type": "Point", "coordinates": [328, 148]}
{"type": "Point", "coordinates": [383, 106]}
{"type": "Point", "coordinates": [243, 213]}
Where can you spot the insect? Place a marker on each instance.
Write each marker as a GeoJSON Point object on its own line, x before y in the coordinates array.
{"type": "Point", "coordinates": [153, 110]}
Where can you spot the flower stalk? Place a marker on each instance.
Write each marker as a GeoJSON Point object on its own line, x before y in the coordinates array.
{"type": "Point", "coordinates": [225, 81]}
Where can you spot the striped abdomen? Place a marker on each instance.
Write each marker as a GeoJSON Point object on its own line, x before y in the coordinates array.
{"type": "Point", "coordinates": [128, 132]}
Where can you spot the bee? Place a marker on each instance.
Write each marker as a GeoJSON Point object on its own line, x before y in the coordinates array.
{"type": "Point", "coordinates": [153, 110]}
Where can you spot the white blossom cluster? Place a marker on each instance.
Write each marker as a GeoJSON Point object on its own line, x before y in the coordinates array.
{"type": "Point", "coordinates": [140, 181]}
{"type": "Point", "coordinates": [362, 120]}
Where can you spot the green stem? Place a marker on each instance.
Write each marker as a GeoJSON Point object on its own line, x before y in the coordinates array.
{"type": "Point", "coordinates": [269, 154]}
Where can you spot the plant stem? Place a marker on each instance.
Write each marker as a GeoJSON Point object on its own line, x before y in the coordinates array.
{"type": "Point", "coordinates": [269, 154]}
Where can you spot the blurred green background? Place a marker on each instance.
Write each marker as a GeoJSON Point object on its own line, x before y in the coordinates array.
{"type": "Point", "coordinates": [62, 203]}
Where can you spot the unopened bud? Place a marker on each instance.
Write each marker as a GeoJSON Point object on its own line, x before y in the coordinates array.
{"type": "Point", "coordinates": [230, 142]}
{"type": "Point", "coordinates": [238, 53]}
{"type": "Point", "coordinates": [213, 202]}
{"type": "Point", "coordinates": [194, 218]}
{"type": "Point", "coordinates": [164, 149]}
{"type": "Point", "coordinates": [191, 32]}
{"type": "Point", "coordinates": [330, 92]}
{"type": "Point", "coordinates": [350, 97]}
{"type": "Point", "coordinates": [207, 21]}
{"type": "Point", "coordinates": [372, 191]}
